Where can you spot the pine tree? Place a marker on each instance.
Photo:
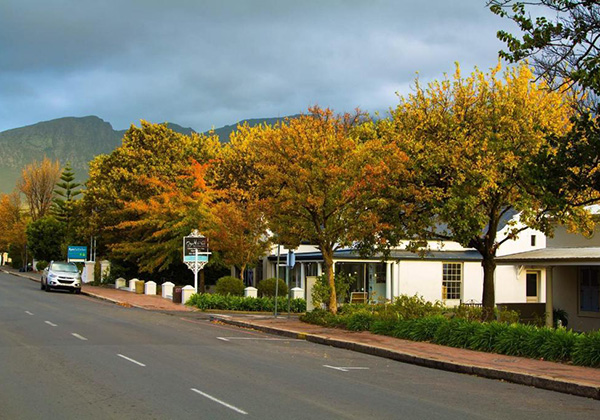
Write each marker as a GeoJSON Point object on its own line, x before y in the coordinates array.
{"type": "Point", "coordinates": [65, 193]}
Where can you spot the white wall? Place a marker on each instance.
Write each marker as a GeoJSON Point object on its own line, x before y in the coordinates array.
{"type": "Point", "coordinates": [564, 239]}
{"type": "Point", "coordinates": [472, 282]}
{"type": "Point", "coordinates": [423, 278]}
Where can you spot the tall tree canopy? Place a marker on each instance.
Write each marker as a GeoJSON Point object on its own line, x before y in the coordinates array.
{"type": "Point", "coordinates": [239, 224]}
{"type": "Point", "coordinates": [151, 165]}
{"type": "Point", "coordinates": [562, 42]}
{"type": "Point", "coordinates": [319, 173]}
{"type": "Point", "coordinates": [13, 222]}
{"type": "Point", "coordinates": [37, 184]}
{"type": "Point", "coordinates": [477, 139]}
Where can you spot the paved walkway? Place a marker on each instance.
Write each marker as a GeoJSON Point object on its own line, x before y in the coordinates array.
{"type": "Point", "coordinates": [542, 374]}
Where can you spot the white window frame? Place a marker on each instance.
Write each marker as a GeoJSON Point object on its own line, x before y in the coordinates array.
{"type": "Point", "coordinates": [451, 277]}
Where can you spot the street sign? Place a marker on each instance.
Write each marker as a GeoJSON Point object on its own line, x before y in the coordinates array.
{"type": "Point", "coordinates": [291, 258]}
{"type": "Point", "coordinates": [77, 253]}
{"type": "Point", "coordinates": [195, 253]}
{"type": "Point", "coordinates": [193, 243]}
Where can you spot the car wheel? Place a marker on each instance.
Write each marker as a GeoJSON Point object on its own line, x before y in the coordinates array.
{"type": "Point", "coordinates": [77, 291]}
{"type": "Point", "coordinates": [42, 284]}
{"type": "Point", "coordinates": [47, 288]}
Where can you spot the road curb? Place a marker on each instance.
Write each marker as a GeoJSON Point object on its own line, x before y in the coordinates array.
{"type": "Point", "coordinates": [520, 378]}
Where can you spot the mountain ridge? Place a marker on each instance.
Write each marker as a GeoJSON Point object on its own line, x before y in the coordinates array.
{"type": "Point", "coordinates": [76, 140]}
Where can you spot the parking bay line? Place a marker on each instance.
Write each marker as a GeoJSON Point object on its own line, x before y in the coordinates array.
{"type": "Point", "coordinates": [79, 336]}
{"type": "Point", "coordinates": [346, 368]}
{"type": "Point", "coordinates": [131, 360]}
{"type": "Point", "coordinates": [51, 324]}
{"type": "Point", "coordinates": [257, 338]}
{"type": "Point", "coordinates": [210, 397]}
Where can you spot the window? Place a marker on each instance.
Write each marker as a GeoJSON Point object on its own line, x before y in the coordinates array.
{"type": "Point", "coordinates": [532, 286]}
{"type": "Point", "coordinates": [532, 240]}
{"type": "Point", "coordinates": [589, 290]}
{"type": "Point", "coordinates": [451, 281]}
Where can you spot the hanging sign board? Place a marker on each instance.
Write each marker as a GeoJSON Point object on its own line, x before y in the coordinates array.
{"type": "Point", "coordinates": [193, 245]}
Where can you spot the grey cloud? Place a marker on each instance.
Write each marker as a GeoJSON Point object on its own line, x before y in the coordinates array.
{"type": "Point", "coordinates": [210, 63]}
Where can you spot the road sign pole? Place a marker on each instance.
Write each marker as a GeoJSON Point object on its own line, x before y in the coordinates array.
{"type": "Point", "coordinates": [196, 271]}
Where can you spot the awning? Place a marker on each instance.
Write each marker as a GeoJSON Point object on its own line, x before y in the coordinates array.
{"type": "Point", "coordinates": [553, 256]}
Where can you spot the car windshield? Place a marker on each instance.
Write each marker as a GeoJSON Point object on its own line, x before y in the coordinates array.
{"type": "Point", "coordinates": [64, 267]}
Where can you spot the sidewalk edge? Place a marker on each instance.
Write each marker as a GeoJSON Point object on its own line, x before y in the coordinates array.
{"type": "Point", "coordinates": [541, 382]}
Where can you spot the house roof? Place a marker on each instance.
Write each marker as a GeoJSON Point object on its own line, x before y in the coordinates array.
{"type": "Point", "coordinates": [554, 256]}
{"type": "Point", "coordinates": [351, 254]}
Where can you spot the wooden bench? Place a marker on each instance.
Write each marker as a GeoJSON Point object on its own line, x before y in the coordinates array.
{"type": "Point", "coordinates": [359, 297]}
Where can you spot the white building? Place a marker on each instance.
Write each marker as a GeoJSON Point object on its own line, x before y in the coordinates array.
{"type": "Point", "coordinates": [533, 272]}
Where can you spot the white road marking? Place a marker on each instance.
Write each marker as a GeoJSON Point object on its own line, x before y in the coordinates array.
{"type": "Point", "coordinates": [210, 397]}
{"type": "Point", "coordinates": [131, 360]}
{"type": "Point", "coordinates": [257, 338]}
{"type": "Point", "coordinates": [79, 336]}
{"type": "Point", "coordinates": [28, 313]}
{"type": "Point", "coordinates": [51, 323]}
{"type": "Point", "coordinates": [346, 368]}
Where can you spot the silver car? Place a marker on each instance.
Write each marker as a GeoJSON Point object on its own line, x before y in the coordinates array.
{"type": "Point", "coordinates": [61, 275]}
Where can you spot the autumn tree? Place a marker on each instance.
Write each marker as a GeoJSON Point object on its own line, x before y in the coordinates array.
{"type": "Point", "coordinates": [144, 173]}
{"type": "Point", "coordinates": [239, 230]}
{"type": "Point", "coordinates": [13, 222]}
{"type": "Point", "coordinates": [154, 236]}
{"type": "Point", "coordinates": [317, 173]}
{"type": "Point", "coordinates": [476, 139]}
{"type": "Point", "coordinates": [37, 184]}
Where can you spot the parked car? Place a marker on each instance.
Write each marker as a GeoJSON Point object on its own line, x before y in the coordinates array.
{"type": "Point", "coordinates": [61, 275]}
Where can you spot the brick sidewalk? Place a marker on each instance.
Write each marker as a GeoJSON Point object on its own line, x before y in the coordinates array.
{"type": "Point", "coordinates": [542, 374]}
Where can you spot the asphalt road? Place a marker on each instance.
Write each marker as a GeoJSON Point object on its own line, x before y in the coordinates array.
{"type": "Point", "coordinates": [66, 356]}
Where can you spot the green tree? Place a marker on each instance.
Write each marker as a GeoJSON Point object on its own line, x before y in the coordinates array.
{"type": "Point", "coordinates": [64, 205]}
{"type": "Point", "coordinates": [45, 238]}
{"type": "Point", "coordinates": [477, 140]}
{"type": "Point", "coordinates": [562, 42]}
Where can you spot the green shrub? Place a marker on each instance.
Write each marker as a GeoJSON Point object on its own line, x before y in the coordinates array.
{"type": "Point", "coordinates": [506, 316]}
{"type": "Point", "coordinates": [468, 312]}
{"type": "Point", "coordinates": [424, 329]}
{"type": "Point", "coordinates": [383, 326]}
{"type": "Point", "coordinates": [512, 341]}
{"type": "Point", "coordinates": [360, 320]}
{"type": "Point", "coordinates": [321, 289]}
{"type": "Point", "coordinates": [412, 307]}
{"type": "Point", "coordinates": [41, 265]}
{"type": "Point", "coordinates": [485, 336]}
{"type": "Point", "coordinates": [205, 301]}
{"type": "Point", "coordinates": [556, 345]}
{"type": "Point", "coordinates": [266, 287]}
{"type": "Point", "coordinates": [230, 286]}
{"type": "Point", "coordinates": [455, 333]}
{"type": "Point", "coordinates": [586, 351]}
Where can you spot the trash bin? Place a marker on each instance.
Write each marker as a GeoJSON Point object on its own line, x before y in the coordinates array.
{"type": "Point", "coordinates": [177, 294]}
{"type": "Point", "coordinates": [139, 287]}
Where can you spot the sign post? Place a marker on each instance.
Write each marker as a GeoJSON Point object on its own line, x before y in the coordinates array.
{"type": "Point", "coordinates": [195, 253]}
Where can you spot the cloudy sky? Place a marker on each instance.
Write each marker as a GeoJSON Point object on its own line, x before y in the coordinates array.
{"type": "Point", "coordinates": [205, 63]}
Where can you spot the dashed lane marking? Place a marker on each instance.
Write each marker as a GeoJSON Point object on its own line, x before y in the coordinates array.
{"type": "Point", "coordinates": [29, 313]}
{"type": "Point", "coordinates": [132, 360]}
{"type": "Point", "coordinates": [52, 324]}
{"type": "Point", "coordinates": [210, 397]}
{"type": "Point", "coordinates": [79, 336]}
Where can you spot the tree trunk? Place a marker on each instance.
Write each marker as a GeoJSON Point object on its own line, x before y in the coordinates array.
{"type": "Point", "coordinates": [489, 294]}
{"type": "Point", "coordinates": [329, 276]}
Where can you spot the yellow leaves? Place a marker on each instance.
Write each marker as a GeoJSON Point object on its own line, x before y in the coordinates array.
{"type": "Point", "coordinates": [37, 184]}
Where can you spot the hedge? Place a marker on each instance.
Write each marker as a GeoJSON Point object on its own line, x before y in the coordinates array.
{"type": "Point", "coordinates": [206, 301]}
{"type": "Point", "coordinates": [560, 345]}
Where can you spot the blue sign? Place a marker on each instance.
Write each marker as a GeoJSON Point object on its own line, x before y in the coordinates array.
{"type": "Point", "coordinates": [291, 258]}
{"type": "Point", "coordinates": [192, 258]}
{"type": "Point", "coordinates": [77, 253]}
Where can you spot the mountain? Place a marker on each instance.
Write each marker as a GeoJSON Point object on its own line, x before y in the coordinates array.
{"type": "Point", "coordinates": [73, 139]}
{"type": "Point", "coordinates": [225, 131]}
